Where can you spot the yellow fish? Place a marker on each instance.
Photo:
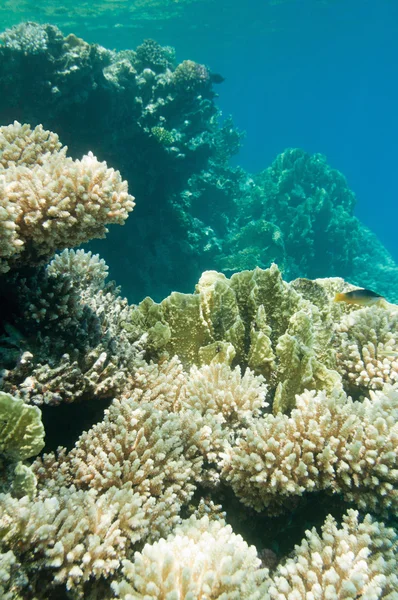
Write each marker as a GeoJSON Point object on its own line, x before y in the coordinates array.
{"type": "Point", "coordinates": [361, 296]}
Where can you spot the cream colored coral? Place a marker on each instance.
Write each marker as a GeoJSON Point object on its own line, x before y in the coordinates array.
{"type": "Point", "coordinates": [85, 269]}
{"type": "Point", "coordinates": [139, 443]}
{"type": "Point", "coordinates": [222, 401]}
{"type": "Point", "coordinates": [225, 393]}
{"type": "Point", "coordinates": [201, 559]}
{"type": "Point", "coordinates": [77, 534]}
{"type": "Point", "coordinates": [328, 443]}
{"type": "Point", "coordinates": [22, 146]}
{"type": "Point", "coordinates": [55, 202]}
{"type": "Point", "coordinates": [366, 341]}
{"type": "Point", "coordinates": [356, 560]}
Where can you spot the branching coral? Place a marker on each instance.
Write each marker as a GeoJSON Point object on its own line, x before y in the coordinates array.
{"type": "Point", "coordinates": [366, 344]}
{"type": "Point", "coordinates": [77, 534]}
{"type": "Point", "coordinates": [201, 559]}
{"type": "Point", "coordinates": [140, 443]}
{"type": "Point", "coordinates": [357, 560]}
{"type": "Point", "coordinates": [52, 202]}
{"type": "Point", "coordinates": [328, 443]}
{"type": "Point", "coordinates": [75, 344]}
{"type": "Point", "coordinates": [222, 402]}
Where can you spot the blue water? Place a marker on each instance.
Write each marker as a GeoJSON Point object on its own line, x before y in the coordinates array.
{"type": "Point", "coordinates": [320, 75]}
{"type": "Point", "coordinates": [315, 74]}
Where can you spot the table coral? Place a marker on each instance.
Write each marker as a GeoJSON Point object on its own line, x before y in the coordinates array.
{"type": "Point", "coordinates": [48, 201]}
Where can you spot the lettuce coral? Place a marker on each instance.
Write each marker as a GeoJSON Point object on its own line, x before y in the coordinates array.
{"type": "Point", "coordinates": [21, 428]}
{"type": "Point", "coordinates": [253, 319]}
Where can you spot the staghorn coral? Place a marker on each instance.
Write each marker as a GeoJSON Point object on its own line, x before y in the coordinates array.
{"type": "Point", "coordinates": [221, 401]}
{"type": "Point", "coordinates": [357, 560]}
{"type": "Point", "coordinates": [254, 319]}
{"type": "Point", "coordinates": [85, 269]}
{"type": "Point", "coordinates": [366, 343]}
{"type": "Point", "coordinates": [201, 559]}
{"type": "Point", "coordinates": [124, 482]}
{"type": "Point", "coordinates": [52, 202]}
{"type": "Point", "coordinates": [20, 146]}
{"type": "Point", "coordinates": [328, 443]}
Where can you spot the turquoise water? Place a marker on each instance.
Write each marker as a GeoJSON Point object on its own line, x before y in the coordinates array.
{"type": "Point", "coordinates": [258, 139]}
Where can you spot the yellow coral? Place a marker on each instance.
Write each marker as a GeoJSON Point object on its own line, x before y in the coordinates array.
{"type": "Point", "coordinates": [254, 319]}
{"type": "Point", "coordinates": [21, 428]}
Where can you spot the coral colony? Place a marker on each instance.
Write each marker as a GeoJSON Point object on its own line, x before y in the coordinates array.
{"type": "Point", "coordinates": [235, 442]}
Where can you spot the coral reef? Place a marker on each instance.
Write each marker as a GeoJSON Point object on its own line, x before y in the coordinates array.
{"type": "Point", "coordinates": [157, 122]}
{"type": "Point", "coordinates": [329, 443]}
{"type": "Point", "coordinates": [106, 518]}
{"type": "Point", "coordinates": [215, 411]}
{"type": "Point", "coordinates": [72, 343]}
{"type": "Point", "coordinates": [253, 319]}
{"type": "Point", "coordinates": [50, 202]}
{"type": "Point", "coordinates": [299, 213]}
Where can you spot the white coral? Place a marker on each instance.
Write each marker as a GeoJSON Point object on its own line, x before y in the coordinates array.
{"type": "Point", "coordinates": [50, 202]}
{"type": "Point", "coordinates": [201, 559]}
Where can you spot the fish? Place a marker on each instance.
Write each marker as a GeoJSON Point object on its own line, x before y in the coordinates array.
{"type": "Point", "coordinates": [216, 78]}
{"type": "Point", "coordinates": [362, 297]}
